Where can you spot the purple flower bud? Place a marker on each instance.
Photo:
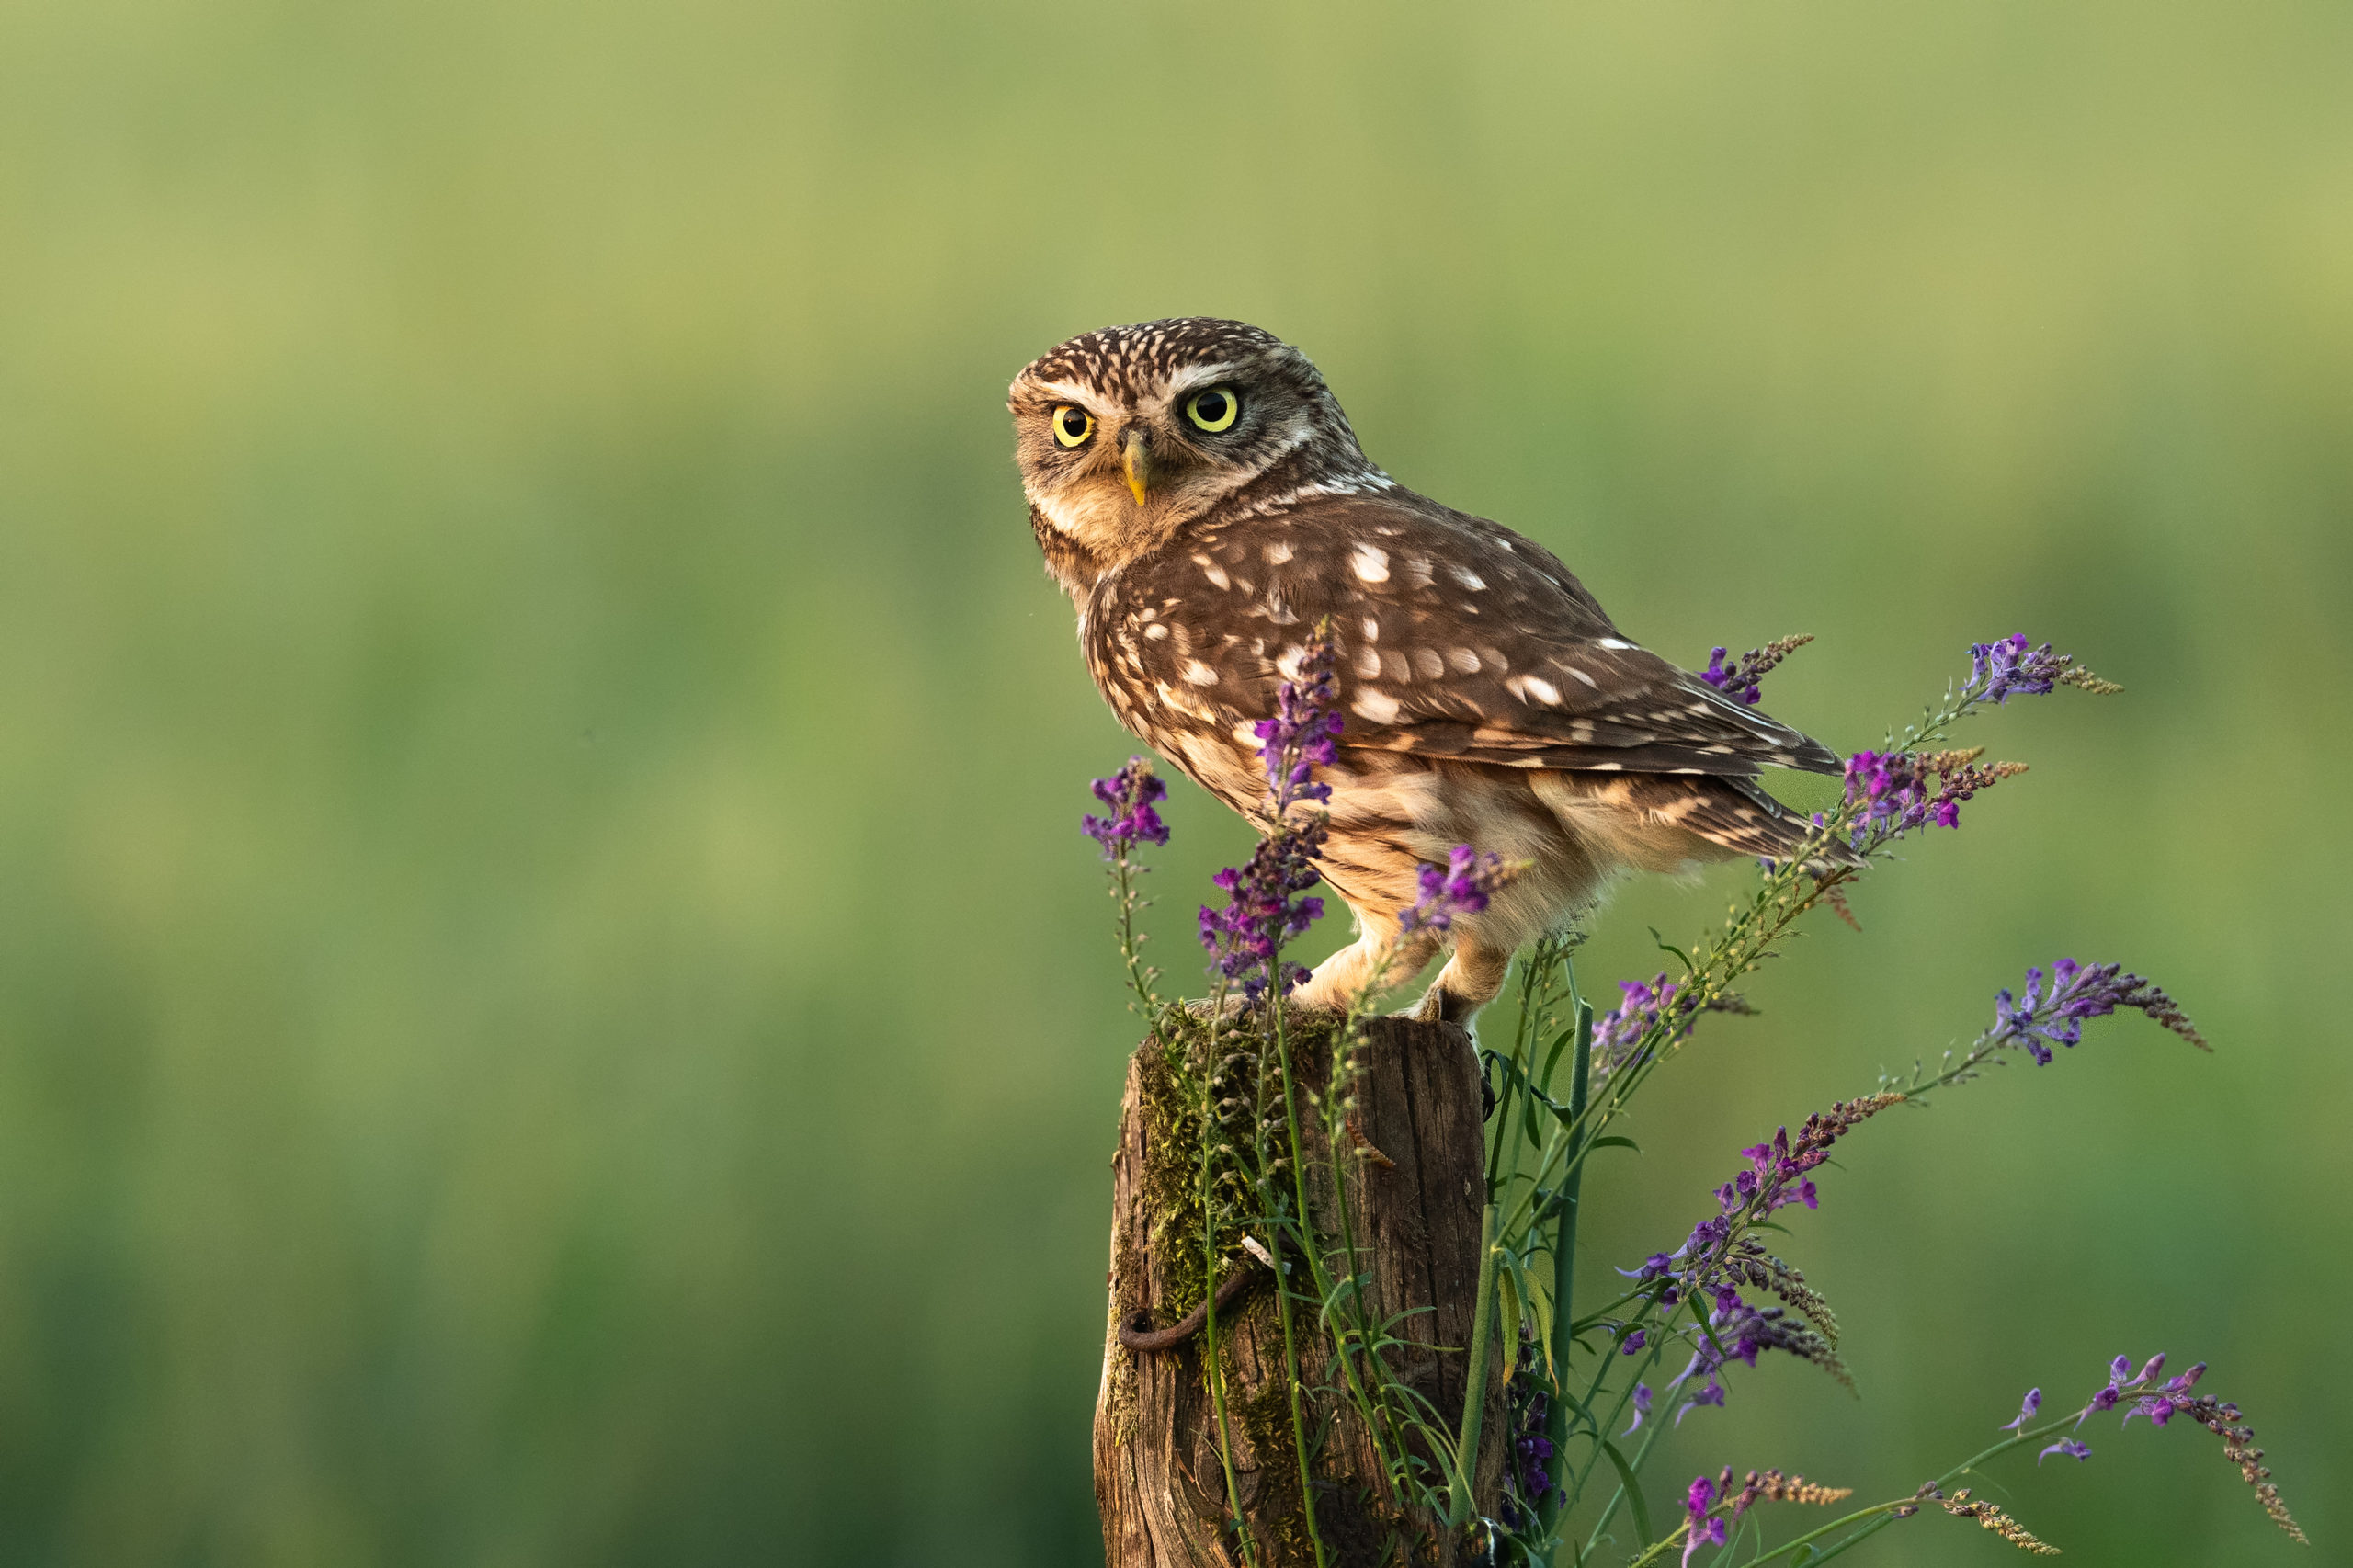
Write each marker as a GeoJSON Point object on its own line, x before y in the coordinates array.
{"type": "Point", "coordinates": [2040, 1019]}
{"type": "Point", "coordinates": [1712, 1395]}
{"type": "Point", "coordinates": [1300, 737]}
{"type": "Point", "coordinates": [2010, 667]}
{"type": "Point", "coordinates": [1642, 1406]}
{"type": "Point", "coordinates": [1618, 1034]}
{"type": "Point", "coordinates": [2026, 1412]}
{"type": "Point", "coordinates": [1464, 887]}
{"type": "Point", "coordinates": [1697, 1500]}
{"type": "Point", "coordinates": [2067, 1445]}
{"type": "Point", "coordinates": [1737, 678]}
{"type": "Point", "coordinates": [1130, 795]}
{"type": "Point", "coordinates": [1634, 1342]}
{"type": "Point", "coordinates": [2156, 1364]}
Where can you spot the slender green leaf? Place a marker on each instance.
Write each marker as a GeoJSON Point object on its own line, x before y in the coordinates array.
{"type": "Point", "coordinates": [1507, 1282]}
{"type": "Point", "coordinates": [1626, 1478]}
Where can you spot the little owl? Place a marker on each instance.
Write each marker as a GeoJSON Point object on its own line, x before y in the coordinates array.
{"type": "Point", "coordinates": [1198, 493]}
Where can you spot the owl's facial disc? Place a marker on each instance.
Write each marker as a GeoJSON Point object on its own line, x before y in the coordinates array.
{"type": "Point", "coordinates": [1127, 435]}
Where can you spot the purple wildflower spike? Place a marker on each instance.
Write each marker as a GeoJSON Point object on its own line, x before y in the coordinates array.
{"type": "Point", "coordinates": [1462, 886]}
{"type": "Point", "coordinates": [2162, 1402]}
{"type": "Point", "coordinates": [1617, 1034]}
{"type": "Point", "coordinates": [1268, 906]}
{"type": "Point", "coordinates": [1269, 903]}
{"type": "Point", "coordinates": [1738, 678]}
{"type": "Point", "coordinates": [2041, 1018]}
{"type": "Point", "coordinates": [1718, 1252]}
{"type": "Point", "coordinates": [1697, 1500]}
{"type": "Point", "coordinates": [1738, 1332]}
{"type": "Point", "coordinates": [1896, 791]}
{"type": "Point", "coordinates": [1128, 795]}
{"type": "Point", "coordinates": [2010, 667]}
{"type": "Point", "coordinates": [1303, 733]}
{"type": "Point", "coordinates": [1711, 1394]}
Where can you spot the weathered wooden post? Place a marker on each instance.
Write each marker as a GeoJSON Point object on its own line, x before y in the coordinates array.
{"type": "Point", "coordinates": [1415, 1186]}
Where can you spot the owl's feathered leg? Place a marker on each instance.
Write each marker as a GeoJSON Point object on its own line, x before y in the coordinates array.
{"type": "Point", "coordinates": [1472, 977]}
{"type": "Point", "coordinates": [1372, 958]}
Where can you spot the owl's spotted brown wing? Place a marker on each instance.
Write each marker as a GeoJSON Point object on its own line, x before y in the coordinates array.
{"type": "Point", "coordinates": [1456, 638]}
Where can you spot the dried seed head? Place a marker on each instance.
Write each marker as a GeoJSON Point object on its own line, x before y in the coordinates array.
{"type": "Point", "coordinates": [2000, 1523]}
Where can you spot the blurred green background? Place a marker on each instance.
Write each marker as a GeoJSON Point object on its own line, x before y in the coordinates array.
{"type": "Point", "coordinates": [553, 1008]}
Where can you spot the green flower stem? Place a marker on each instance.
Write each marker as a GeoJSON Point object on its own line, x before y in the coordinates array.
{"type": "Point", "coordinates": [1565, 1265]}
{"type": "Point", "coordinates": [1876, 1517]}
{"type": "Point", "coordinates": [1139, 974]}
{"type": "Point", "coordinates": [1474, 1401]}
{"type": "Point", "coordinates": [1282, 1287]}
{"type": "Point", "coordinates": [1642, 1455]}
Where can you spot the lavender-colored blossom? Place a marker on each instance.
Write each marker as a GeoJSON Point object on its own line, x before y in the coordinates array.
{"type": "Point", "coordinates": [1711, 1394]}
{"type": "Point", "coordinates": [1268, 903]}
{"type": "Point", "coordinates": [1718, 1252]}
{"type": "Point", "coordinates": [2067, 1445]}
{"type": "Point", "coordinates": [1128, 796]}
{"type": "Point", "coordinates": [2010, 667]}
{"type": "Point", "coordinates": [1269, 906]}
{"type": "Point", "coordinates": [1533, 1451]}
{"type": "Point", "coordinates": [1897, 791]}
{"type": "Point", "coordinates": [1634, 1342]}
{"type": "Point", "coordinates": [1738, 1332]}
{"type": "Point", "coordinates": [1462, 886]}
{"type": "Point", "coordinates": [1697, 1500]}
{"type": "Point", "coordinates": [2157, 1401]}
{"type": "Point", "coordinates": [1617, 1035]}
{"type": "Point", "coordinates": [1999, 670]}
{"type": "Point", "coordinates": [1642, 1407]}
{"type": "Point", "coordinates": [1737, 678]}
{"type": "Point", "coordinates": [2041, 1018]}
{"type": "Point", "coordinates": [2162, 1402]}
{"type": "Point", "coordinates": [1303, 733]}
{"type": "Point", "coordinates": [2026, 1410]}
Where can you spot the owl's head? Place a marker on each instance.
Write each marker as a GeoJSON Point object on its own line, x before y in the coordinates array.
{"type": "Point", "coordinates": [1126, 434]}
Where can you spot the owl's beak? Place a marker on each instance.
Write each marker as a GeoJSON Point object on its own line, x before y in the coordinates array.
{"type": "Point", "coordinates": [1135, 458]}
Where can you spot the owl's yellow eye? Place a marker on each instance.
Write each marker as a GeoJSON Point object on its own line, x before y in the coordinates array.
{"type": "Point", "coordinates": [1073, 424]}
{"type": "Point", "coordinates": [1213, 410]}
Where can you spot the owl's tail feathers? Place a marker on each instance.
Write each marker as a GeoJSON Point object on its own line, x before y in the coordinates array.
{"type": "Point", "coordinates": [1738, 815]}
